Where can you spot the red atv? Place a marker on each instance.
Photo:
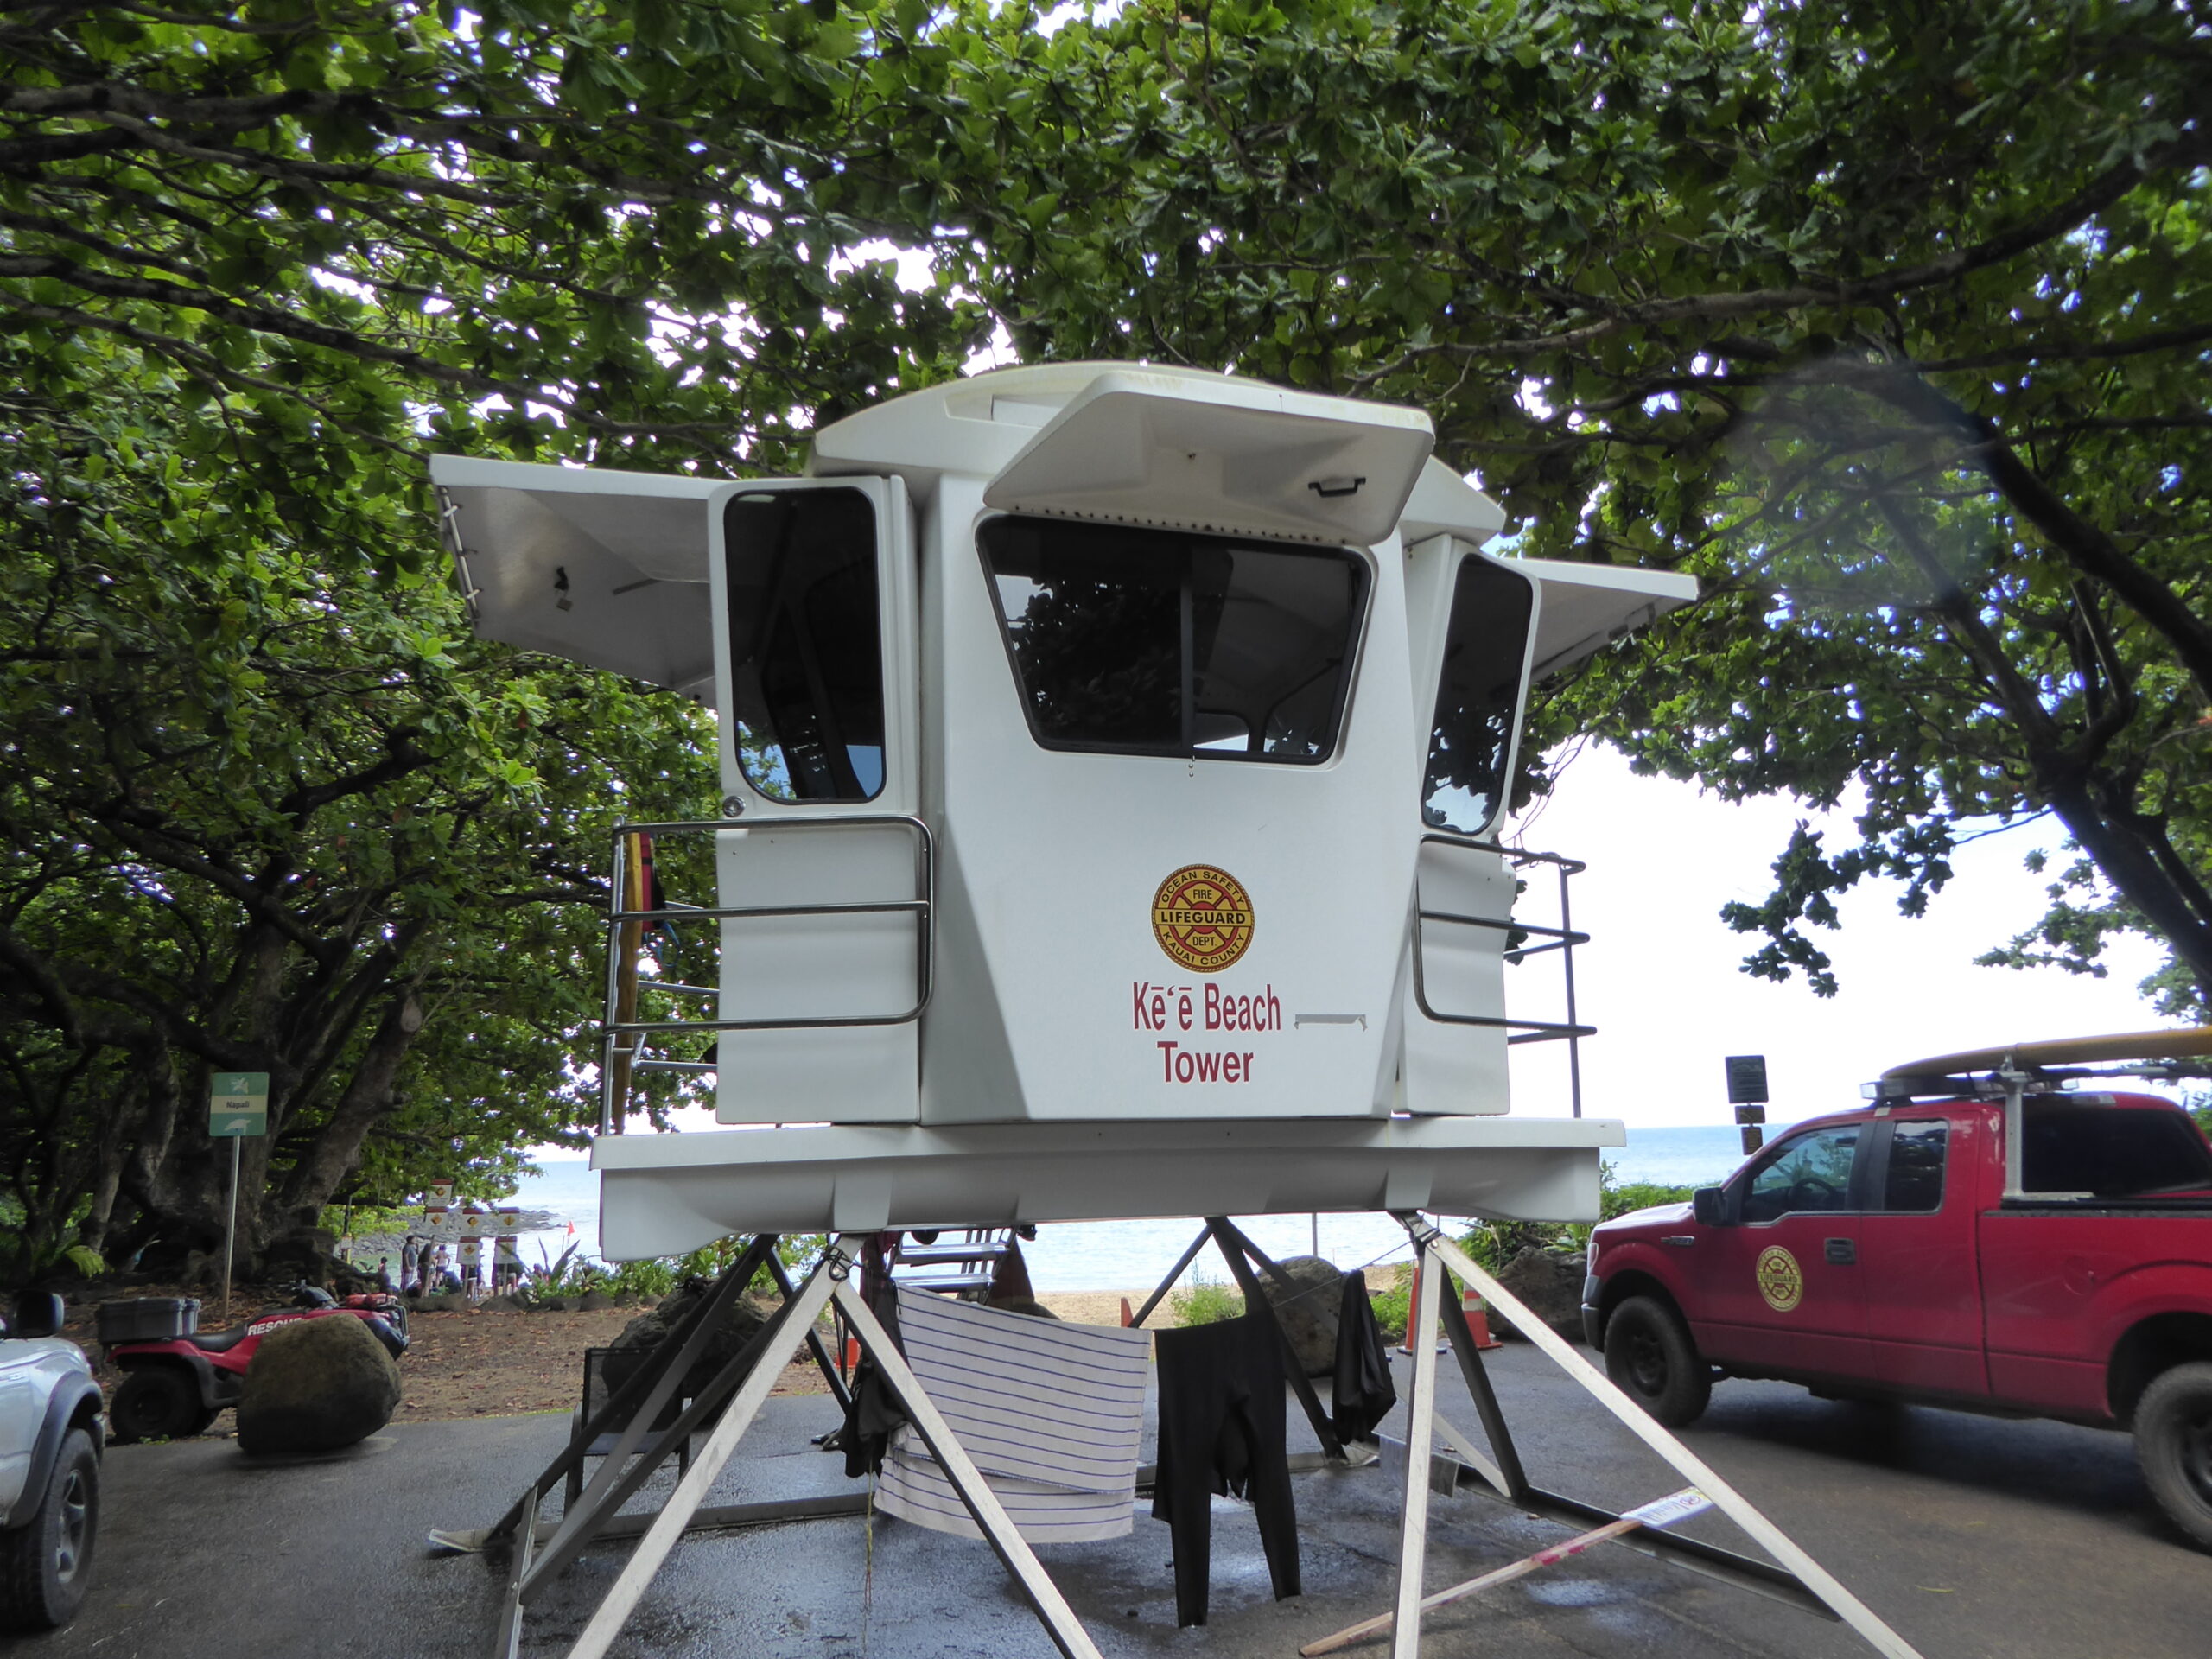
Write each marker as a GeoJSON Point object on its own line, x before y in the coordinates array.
{"type": "Point", "coordinates": [177, 1376]}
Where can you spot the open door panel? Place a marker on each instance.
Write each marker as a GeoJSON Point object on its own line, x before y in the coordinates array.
{"type": "Point", "coordinates": [606, 569]}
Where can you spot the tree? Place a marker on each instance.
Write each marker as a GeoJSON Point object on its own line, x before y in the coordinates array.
{"type": "Point", "coordinates": [264, 813]}
{"type": "Point", "coordinates": [1887, 321]}
{"type": "Point", "coordinates": [267, 806]}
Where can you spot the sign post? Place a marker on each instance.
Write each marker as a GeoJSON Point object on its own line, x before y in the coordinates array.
{"type": "Point", "coordinates": [1747, 1094]}
{"type": "Point", "coordinates": [237, 1105]}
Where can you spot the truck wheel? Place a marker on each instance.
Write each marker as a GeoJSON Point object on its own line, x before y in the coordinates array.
{"type": "Point", "coordinates": [158, 1402]}
{"type": "Point", "coordinates": [1651, 1359]}
{"type": "Point", "coordinates": [45, 1563]}
{"type": "Point", "coordinates": [2173, 1438]}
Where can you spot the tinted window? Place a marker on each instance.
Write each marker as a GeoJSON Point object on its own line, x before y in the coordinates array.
{"type": "Point", "coordinates": [1478, 698]}
{"type": "Point", "coordinates": [2112, 1152]}
{"type": "Point", "coordinates": [1805, 1172]}
{"type": "Point", "coordinates": [1915, 1177]}
{"type": "Point", "coordinates": [1154, 642]}
{"type": "Point", "coordinates": [806, 646]}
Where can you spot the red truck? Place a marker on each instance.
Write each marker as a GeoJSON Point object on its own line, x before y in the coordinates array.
{"type": "Point", "coordinates": [1995, 1243]}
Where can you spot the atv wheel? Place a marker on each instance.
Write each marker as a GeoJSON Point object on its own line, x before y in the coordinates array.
{"type": "Point", "coordinates": [44, 1564]}
{"type": "Point", "coordinates": [2173, 1437]}
{"type": "Point", "coordinates": [1652, 1358]}
{"type": "Point", "coordinates": [158, 1402]}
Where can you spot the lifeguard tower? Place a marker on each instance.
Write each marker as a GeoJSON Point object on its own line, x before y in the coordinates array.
{"type": "Point", "coordinates": [1110, 760]}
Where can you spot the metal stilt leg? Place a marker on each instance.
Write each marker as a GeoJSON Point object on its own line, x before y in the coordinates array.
{"type": "Point", "coordinates": [1420, 1404]}
{"type": "Point", "coordinates": [1234, 1249]}
{"type": "Point", "coordinates": [774, 1349]}
{"type": "Point", "coordinates": [1173, 1273]}
{"type": "Point", "coordinates": [1441, 1252]}
{"type": "Point", "coordinates": [1012, 1549]}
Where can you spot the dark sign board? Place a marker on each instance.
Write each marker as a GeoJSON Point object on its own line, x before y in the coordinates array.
{"type": "Point", "coordinates": [1746, 1080]}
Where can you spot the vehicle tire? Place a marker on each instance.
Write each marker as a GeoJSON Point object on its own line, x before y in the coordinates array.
{"type": "Point", "coordinates": [2173, 1438]}
{"type": "Point", "coordinates": [158, 1402]}
{"type": "Point", "coordinates": [1652, 1358]}
{"type": "Point", "coordinates": [45, 1564]}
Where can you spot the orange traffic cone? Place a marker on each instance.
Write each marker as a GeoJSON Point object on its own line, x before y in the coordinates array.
{"type": "Point", "coordinates": [1128, 1314]}
{"type": "Point", "coordinates": [1477, 1314]}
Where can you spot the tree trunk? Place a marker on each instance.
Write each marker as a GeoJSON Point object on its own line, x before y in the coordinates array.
{"type": "Point", "coordinates": [337, 1146]}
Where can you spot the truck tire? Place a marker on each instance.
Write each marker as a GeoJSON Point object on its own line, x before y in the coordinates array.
{"type": "Point", "coordinates": [1652, 1358]}
{"type": "Point", "coordinates": [46, 1562]}
{"type": "Point", "coordinates": [2173, 1438]}
{"type": "Point", "coordinates": [158, 1402]}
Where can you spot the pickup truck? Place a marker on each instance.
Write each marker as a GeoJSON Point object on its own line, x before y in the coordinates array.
{"type": "Point", "coordinates": [50, 1444]}
{"type": "Point", "coordinates": [1906, 1252]}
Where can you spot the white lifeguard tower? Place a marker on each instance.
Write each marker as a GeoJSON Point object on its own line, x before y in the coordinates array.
{"type": "Point", "coordinates": [1110, 760]}
{"type": "Point", "coordinates": [1108, 756]}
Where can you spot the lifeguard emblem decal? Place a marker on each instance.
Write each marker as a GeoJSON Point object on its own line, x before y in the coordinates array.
{"type": "Point", "coordinates": [1203, 918]}
{"type": "Point", "coordinates": [1782, 1281]}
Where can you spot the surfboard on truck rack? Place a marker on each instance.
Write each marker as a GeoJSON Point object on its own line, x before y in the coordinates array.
{"type": "Point", "coordinates": [1111, 761]}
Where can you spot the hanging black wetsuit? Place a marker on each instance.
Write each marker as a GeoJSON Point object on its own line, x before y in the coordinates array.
{"type": "Point", "coordinates": [1221, 1430]}
{"type": "Point", "coordinates": [1364, 1393]}
{"type": "Point", "coordinates": [874, 1413]}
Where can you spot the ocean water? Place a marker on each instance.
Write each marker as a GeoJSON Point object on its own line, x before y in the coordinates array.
{"type": "Point", "coordinates": [1133, 1255]}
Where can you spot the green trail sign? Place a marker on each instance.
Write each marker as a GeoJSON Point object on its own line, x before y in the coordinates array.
{"type": "Point", "coordinates": [237, 1103]}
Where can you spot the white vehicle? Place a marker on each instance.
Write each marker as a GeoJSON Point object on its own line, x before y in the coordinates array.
{"type": "Point", "coordinates": [50, 1443]}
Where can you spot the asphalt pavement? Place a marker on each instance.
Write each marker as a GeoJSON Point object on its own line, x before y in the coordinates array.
{"type": "Point", "coordinates": [1972, 1537]}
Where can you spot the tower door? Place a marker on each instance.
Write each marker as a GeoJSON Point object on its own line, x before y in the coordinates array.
{"type": "Point", "coordinates": [1473, 620]}
{"type": "Point", "coordinates": [825, 976]}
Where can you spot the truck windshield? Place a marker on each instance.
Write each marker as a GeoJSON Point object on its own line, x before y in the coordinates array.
{"type": "Point", "coordinates": [2112, 1152]}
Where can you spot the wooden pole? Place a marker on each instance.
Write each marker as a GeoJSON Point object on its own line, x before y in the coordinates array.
{"type": "Point", "coordinates": [1521, 1568]}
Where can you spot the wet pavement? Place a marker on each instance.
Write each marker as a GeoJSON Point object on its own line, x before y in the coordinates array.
{"type": "Point", "coordinates": [1972, 1536]}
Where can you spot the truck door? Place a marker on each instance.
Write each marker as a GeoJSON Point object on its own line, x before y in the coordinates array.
{"type": "Point", "coordinates": [1916, 1256]}
{"type": "Point", "coordinates": [1782, 1289]}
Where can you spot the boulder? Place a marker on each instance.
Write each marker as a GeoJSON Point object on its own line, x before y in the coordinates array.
{"type": "Point", "coordinates": [1552, 1287]}
{"type": "Point", "coordinates": [740, 1324]}
{"type": "Point", "coordinates": [315, 1385]}
{"type": "Point", "coordinates": [1308, 1314]}
{"type": "Point", "coordinates": [592, 1300]}
{"type": "Point", "coordinates": [502, 1304]}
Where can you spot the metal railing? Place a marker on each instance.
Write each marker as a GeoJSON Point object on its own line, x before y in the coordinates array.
{"type": "Point", "coordinates": [1562, 939]}
{"type": "Point", "coordinates": [623, 1039]}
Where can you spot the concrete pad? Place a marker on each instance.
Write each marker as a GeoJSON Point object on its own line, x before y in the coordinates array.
{"type": "Point", "coordinates": [1974, 1536]}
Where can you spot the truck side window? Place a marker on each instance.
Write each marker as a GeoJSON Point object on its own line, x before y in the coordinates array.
{"type": "Point", "coordinates": [1805, 1172]}
{"type": "Point", "coordinates": [1916, 1176]}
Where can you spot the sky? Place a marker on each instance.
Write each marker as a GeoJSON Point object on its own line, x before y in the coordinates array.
{"type": "Point", "coordinates": [1661, 977]}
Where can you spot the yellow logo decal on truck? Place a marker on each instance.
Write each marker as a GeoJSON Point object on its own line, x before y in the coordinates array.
{"type": "Point", "coordinates": [1782, 1281]}
{"type": "Point", "coordinates": [1203, 918]}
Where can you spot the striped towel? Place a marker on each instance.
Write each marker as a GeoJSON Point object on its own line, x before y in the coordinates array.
{"type": "Point", "coordinates": [1051, 1413]}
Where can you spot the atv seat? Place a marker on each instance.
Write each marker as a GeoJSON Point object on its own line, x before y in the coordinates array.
{"type": "Point", "coordinates": [219, 1342]}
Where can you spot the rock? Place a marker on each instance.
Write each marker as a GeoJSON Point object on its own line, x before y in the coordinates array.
{"type": "Point", "coordinates": [315, 1385]}
{"type": "Point", "coordinates": [1552, 1287]}
{"type": "Point", "coordinates": [502, 1304]}
{"type": "Point", "coordinates": [739, 1325]}
{"type": "Point", "coordinates": [553, 1305]}
{"type": "Point", "coordinates": [592, 1300]}
{"type": "Point", "coordinates": [1309, 1314]}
